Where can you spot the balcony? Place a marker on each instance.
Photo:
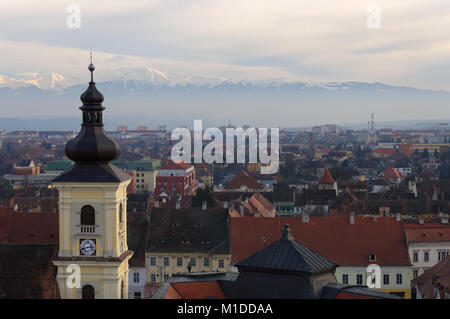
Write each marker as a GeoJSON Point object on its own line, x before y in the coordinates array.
{"type": "Point", "coordinates": [87, 229]}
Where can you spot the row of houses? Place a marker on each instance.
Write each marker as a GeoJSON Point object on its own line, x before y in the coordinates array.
{"type": "Point", "coordinates": [202, 240]}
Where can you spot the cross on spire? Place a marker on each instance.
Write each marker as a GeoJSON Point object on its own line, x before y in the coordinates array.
{"type": "Point", "coordinates": [91, 67]}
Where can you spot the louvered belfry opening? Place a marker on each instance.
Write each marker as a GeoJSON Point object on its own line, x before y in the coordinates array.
{"type": "Point", "coordinates": [88, 215]}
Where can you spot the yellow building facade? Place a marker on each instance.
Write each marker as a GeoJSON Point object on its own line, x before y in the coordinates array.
{"type": "Point", "coordinates": [161, 266]}
{"type": "Point", "coordinates": [105, 267]}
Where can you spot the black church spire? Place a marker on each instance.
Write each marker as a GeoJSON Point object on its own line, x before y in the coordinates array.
{"type": "Point", "coordinates": [92, 144]}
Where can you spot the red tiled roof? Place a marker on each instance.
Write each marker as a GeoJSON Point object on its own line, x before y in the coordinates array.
{"type": "Point", "coordinates": [176, 166]}
{"type": "Point", "coordinates": [333, 237]}
{"type": "Point", "coordinates": [243, 179]}
{"type": "Point", "coordinates": [383, 150]}
{"type": "Point", "coordinates": [427, 232]}
{"type": "Point", "coordinates": [234, 213]}
{"type": "Point", "coordinates": [6, 218]}
{"type": "Point", "coordinates": [326, 178]}
{"type": "Point", "coordinates": [391, 172]}
{"type": "Point", "coordinates": [34, 228]}
{"type": "Point", "coordinates": [349, 295]}
{"type": "Point", "coordinates": [439, 273]}
{"type": "Point", "coordinates": [195, 290]}
{"type": "Point", "coordinates": [259, 203]}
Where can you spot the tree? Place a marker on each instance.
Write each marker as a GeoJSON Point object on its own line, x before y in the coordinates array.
{"type": "Point", "coordinates": [340, 173]}
{"type": "Point", "coordinates": [203, 194]}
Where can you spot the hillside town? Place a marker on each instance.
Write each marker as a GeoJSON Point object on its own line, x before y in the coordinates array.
{"type": "Point", "coordinates": [343, 202]}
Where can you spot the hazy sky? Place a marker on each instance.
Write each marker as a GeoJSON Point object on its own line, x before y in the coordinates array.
{"type": "Point", "coordinates": [308, 40]}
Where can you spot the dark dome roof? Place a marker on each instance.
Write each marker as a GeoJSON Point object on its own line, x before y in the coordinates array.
{"type": "Point", "coordinates": [92, 96]}
{"type": "Point", "coordinates": [92, 145]}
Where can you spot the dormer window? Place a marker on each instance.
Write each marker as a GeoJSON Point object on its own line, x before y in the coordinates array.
{"type": "Point", "coordinates": [372, 257]}
{"type": "Point", "coordinates": [185, 243]}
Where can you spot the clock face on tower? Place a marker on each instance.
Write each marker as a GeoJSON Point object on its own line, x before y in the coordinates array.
{"type": "Point", "coordinates": [87, 247]}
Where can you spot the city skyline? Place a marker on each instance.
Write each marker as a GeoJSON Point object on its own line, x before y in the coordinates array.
{"type": "Point", "coordinates": [211, 43]}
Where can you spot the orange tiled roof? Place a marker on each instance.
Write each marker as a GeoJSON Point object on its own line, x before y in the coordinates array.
{"type": "Point", "coordinates": [176, 166]}
{"type": "Point", "coordinates": [333, 237]}
{"type": "Point", "coordinates": [427, 232]}
{"type": "Point", "coordinates": [262, 205]}
{"type": "Point", "coordinates": [391, 172]}
{"type": "Point", "coordinates": [326, 178]}
{"type": "Point", "coordinates": [234, 213]}
{"type": "Point", "coordinates": [243, 179]}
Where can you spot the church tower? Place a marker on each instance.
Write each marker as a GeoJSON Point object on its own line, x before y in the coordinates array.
{"type": "Point", "coordinates": [327, 182]}
{"type": "Point", "coordinates": [93, 255]}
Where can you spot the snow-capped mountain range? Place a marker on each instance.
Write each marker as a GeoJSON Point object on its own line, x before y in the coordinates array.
{"type": "Point", "coordinates": [127, 76]}
{"type": "Point", "coordinates": [138, 76]}
{"type": "Point", "coordinates": [45, 81]}
{"type": "Point", "coordinates": [147, 94]}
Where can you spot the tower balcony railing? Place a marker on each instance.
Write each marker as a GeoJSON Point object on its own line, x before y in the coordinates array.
{"type": "Point", "coordinates": [87, 229]}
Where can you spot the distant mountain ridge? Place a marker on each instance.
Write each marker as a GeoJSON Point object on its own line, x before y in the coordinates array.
{"type": "Point", "coordinates": [151, 96]}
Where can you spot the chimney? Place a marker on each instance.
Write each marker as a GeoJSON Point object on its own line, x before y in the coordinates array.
{"type": "Point", "coordinates": [204, 205]}
{"type": "Point", "coordinates": [241, 210]}
{"type": "Point", "coordinates": [398, 217]}
{"type": "Point", "coordinates": [225, 204]}
{"type": "Point", "coordinates": [305, 217]}
{"type": "Point", "coordinates": [444, 218]}
{"type": "Point", "coordinates": [177, 204]}
{"type": "Point", "coordinates": [421, 220]}
{"type": "Point", "coordinates": [352, 218]}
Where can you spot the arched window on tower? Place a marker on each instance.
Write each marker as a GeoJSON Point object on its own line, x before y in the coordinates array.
{"type": "Point", "coordinates": [87, 292]}
{"type": "Point", "coordinates": [87, 219]}
{"type": "Point", "coordinates": [120, 213]}
{"type": "Point", "coordinates": [121, 290]}
{"type": "Point", "coordinates": [87, 215]}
